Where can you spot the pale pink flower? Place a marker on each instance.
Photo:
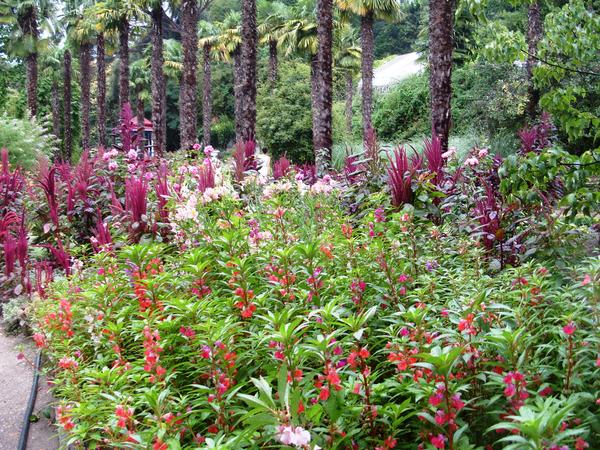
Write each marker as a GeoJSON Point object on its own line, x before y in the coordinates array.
{"type": "Point", "coordinates": [450, 153]}
{"type": "Point", "coordinates": [483, 153]}
{"type": "Point", "coordinates": [289, 435]}
{"type": "Point", "coordinates": [472, 161]}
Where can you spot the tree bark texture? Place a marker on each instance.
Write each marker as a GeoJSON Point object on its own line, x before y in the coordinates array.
{"type": "Point", "coordinates": [534, 36]}
{"type": "Point", "coordinates": [207, 95]}
{"type": "Point", "coordinates": [322, 131]}
{"type": "Point", "coordinates": [441, 18]}
{"type": "Point", "coordinates": [123, 62]}
{"type": "Point", "coordinates": [159, 100]}
{"type": "Point", "coordinates": [368, 48]}
{"type": "Point", "coordinates": [237, 97]}
{"type": "Point", "coordinates": [249, 34]}
{"type": "Point", "coordinates": [85, 68]}
{"type": "Point", "coordinates": [273, 61]}
{"type": "Point", "coordinates": [188, 116]}
{"type": "Point", "coordinates": [55, 109]}
{"type": "Point", "coordinates": [28, 23]}
{"type": "Point", "coordinates": [101, 80]}
{"type": "Point", "coordinates": [67, 99]}
{"type": "Point", "coordinates": [140, 118]}
{"type": "Point", "coordinates": [349, 100]}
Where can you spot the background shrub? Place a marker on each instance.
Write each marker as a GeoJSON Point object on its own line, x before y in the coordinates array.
{"type": "Point", "coordinates": [284, 121]}
{"type": "Point", "coordinates": [26, 140]}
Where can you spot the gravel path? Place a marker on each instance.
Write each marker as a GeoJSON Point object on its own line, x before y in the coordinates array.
{"type": "Point", "coordinates": [396, 70]}
{"type": "Point", "coordinates": [15, 384]}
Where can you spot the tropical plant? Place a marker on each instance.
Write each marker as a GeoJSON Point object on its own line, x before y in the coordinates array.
{"type": "Point", "coordinates": [369, 11]}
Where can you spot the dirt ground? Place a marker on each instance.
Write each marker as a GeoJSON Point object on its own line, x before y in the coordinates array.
{"type": "Point", "coordinates": [15, 385]}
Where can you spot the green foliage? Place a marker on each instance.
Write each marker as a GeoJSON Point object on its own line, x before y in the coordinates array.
{"type": "Point", "coordinates": [532, 180]}
{"type": "Point", "coordinates": [569, 71]}
{"type": "Point", "coordinates": [222, 132]}
{"type": "Point", "coordinates": [394, 39]}
{"type": "Point", "coordinates": [26, 140]}
{"type": "Point", "coordinates": [404, 111]}
{"type": "Point", "coordinates": [284, 122]}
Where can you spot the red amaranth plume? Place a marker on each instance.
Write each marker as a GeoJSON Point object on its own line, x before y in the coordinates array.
{"type": "Point", "coordinates": [435, 162]}
{"type": "Point", "coordinates": [400, 177]}
{"type": "Point", "coordinates": [281, 168]}
{"type": "Point", "coordinates": [136, 205]}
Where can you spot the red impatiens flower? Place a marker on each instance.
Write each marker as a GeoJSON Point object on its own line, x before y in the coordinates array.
{"type": "Point", "coordinates": [569, 328]}
{"type": "Point", "coordinates": [159, 445]}
{"type": "Point", "coordinates": [438, 441]}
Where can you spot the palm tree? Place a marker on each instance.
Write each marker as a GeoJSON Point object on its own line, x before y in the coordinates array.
{"type": "Point", "coordinates": [116, 15]}
{"type": "Point", "coordinates": [187, 91]}
{"type": "Point", "coordinates": [322, 111]}
{"type": "Point", "coordinates": [228, 44]}
{"type": "Point", "coordinates": [299, 36]}
{"type": "Point", "coordinates": [347, 57]}
{"type": "Point", "coordinates": [140, 81]}
{"type": "Point", "coordinates": [208, 41]}
{"type": "Point", "coordinates": [67, 108]}
{"type": "Point", "coordinates": [273, 18]}
{"type": "Point", "coordinates": [369, 10]}
{"type": "Point", "coordinates": [248, 50]}
{"type": "Point", "coordinates": [159, 84]}
{"type": "Point", "coordinates": [52, 68]}
{"type": "Point", "coordinates": [81, 30]}
{"type": "Point", "coordinates": [25, 16]}
{"type": "Point", "coordinates": [535, 30]}
{"type": "Point", "coordinates": [101, 82]}
{"type": "Point", "coordinates": [441, 25]}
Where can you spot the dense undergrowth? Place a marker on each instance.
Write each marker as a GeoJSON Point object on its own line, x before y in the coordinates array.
{"type": "Point", "coordinates": [409, 300]}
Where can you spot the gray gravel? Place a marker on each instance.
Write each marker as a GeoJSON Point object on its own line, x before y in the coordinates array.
{"type": "Point", "coordinates": [15, 384]}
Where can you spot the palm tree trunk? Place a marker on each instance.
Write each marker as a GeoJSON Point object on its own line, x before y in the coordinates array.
{"type": "Point", "coordinates": [55, 108]}
{"type": "Point", "coordinates": [101, 79]}
{"type": "Point", "coordinates": [237, 96]}
{"type": "Point", "coordinates": [85, 55]}
{"type": "Point", "coordinates": [188, 116]}
{"type": "Point", "coordinates": [123, 62]}
{"type": "Point", "coordinates": [349, 100]}
{"type": "Point", "coordinates": [28, 24]}
{"type": "Point", "coordinates": [249, 34]}
{"type": "Point", "coordinates": [367, 42]}
{"type": "Point", "coordinates": [314, 75]}
{"type": "Point", "coordinates": [441, 16]}
{"type": "Point", "coordinates": [534, 36]}
{"type": "Point", "coordinates": [272, 61]}
{"type": "Point", "coordinates": [140, 119]}
{"type": "Point", "coordinates": [159, 122]}
{"type": "Point", "coordinates": [67, 98]}
{"type": "Point", "coordinates": [322, 132]}
{"type": "Point", "coordinates": [207, 96]}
